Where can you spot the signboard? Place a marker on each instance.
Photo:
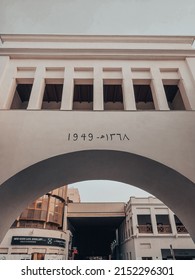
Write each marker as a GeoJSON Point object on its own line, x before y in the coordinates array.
{"type": "Point", "coordinates": [15, 257]}
{"type": "Point", "coordinates": [38, 241]}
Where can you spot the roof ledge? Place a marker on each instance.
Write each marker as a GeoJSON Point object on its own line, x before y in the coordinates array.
{"type": "Point", "coordinates": [97, 38]}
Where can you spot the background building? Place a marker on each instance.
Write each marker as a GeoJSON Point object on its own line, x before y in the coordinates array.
{"type": "Point", "coordinates": [40, 232]}
{"type": "Point", "coordinates": [152, 231]}
{"type": "Point", "coordinates": [73, 195]}
{"type": "Point", "coordinates": [57, 225]}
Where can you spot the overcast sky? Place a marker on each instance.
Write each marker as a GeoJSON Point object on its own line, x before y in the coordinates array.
{"type": "Point", "coordinates": [168, 17]}
{"type": "Point", "coordinates": [107, 191]}
{"type": "Point", "coordinates": [111, 17]}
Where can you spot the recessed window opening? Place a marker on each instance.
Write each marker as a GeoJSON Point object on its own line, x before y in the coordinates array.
{"type": "Point", "coordinates": [179, 226]}
{"type": "Point", "coordinates": [113, 97]}
{"type": "Point", "coordinates": [177, 221]}
{"type": "Point", "coordinates": [163, 224]}
{"type": "Point", "coordinates": [174, 98]}
{"type": "Point", "coordinates": [113, 69]}
{"type": "Point", "coordinates": [143, 97]}
{"type": "Point", "coordinates": [52, 97]}
{"type": "Point", "coordinates": [144, 224]}
{"type": "Point", "coordinates": [83, 97]}
{"type": "Point", "coordinates": [21, 96]}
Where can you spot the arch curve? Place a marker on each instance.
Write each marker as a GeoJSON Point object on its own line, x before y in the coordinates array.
{"type": "Point", "coordinates": [163, 182]}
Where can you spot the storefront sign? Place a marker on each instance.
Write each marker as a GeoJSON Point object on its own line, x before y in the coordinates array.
{"type": "Point", "coordinates": [38, 241]}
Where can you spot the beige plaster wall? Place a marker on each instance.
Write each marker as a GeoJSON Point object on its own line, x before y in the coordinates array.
{"type": "Point", "coordinates": [28, 137]}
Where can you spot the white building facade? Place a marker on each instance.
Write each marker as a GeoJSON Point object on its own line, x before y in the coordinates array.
{"type": "Point", "coordinates": [152, 231]}
{"type": "Point", "coordinates": [76, 108]}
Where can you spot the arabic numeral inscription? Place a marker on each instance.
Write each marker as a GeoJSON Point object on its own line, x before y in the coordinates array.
{"type": "Point", "coordinates": [99, 137]}
{"type": "Point", "coordinates": [83, 136]}
{"type": "Point", "coordinates": [75, 136]}
{"type": "Point", "coordinates": [90, 135]}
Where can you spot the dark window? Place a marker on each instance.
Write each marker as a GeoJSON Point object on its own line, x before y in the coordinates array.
{"type": "Point", "coordinates": [113, 97]}
{"type": "Point", "coordinates": [179, 226]}
{"type": "Point", "coordinates": [144, 224]}
{"type": "Point", "coordinates": [143, 97]}
{"type": "Point", "coordinates": [174, 98]}
{"type": "Point", "coordinates": [163, 224]}
{"type": "Point", "coordinates": [52, 96]}
{"type": "Point", "coordinates": [21, 96]}
{"type": "Point", "coordinates": [83, 97]}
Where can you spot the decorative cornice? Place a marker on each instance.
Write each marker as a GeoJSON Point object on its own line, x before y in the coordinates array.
{"type": "Point", "coordinates": [97, 47]}
{"type": "Point", "coordinates": [97, 38]}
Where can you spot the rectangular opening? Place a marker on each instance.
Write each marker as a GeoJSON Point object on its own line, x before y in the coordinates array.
{"type": "Point", "coordinates": [24, 73]}
{"type": "Point", "coordinates": [143, 97]}
{"type": "Point", "coordinates": [141, 73]}
{"type": "Point", "coordinates": [55, 69]}
{"type": "Point", "coordinates": [52, 97]}
{"type": "Point", "coordinates": [113, 69]}
{"type": "Point", "coordinates": [144, 223]}
{"type": "Point", "coordinates": [142, 69]}
{"type": "Point", "coordinates": [179, 226]}
{"type": "Point", "coordinates": [163, 224]}
{"type": "Point", "coordinates": [112, 75]}
{"type": "Point", "coordinates": [54, 74]}
{"type": "Point", "coordinates": [174, 98]}
{"type": "Point", "coordinates": [170, 73]}
{"type": "Point", "coordinates": [113, 97]}
{"type": "Point", "coordinates": [21, 96]}
{"type": "Point", "coordinates": [83, 97]}
{"type": "Point", "coordinates": [83, 69]}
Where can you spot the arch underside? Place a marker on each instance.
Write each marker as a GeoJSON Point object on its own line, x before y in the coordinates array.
{"type": "Point", "coordinates": [175, 190]}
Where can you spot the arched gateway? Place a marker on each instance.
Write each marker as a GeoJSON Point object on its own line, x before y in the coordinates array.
{"type": "Point", "coordinates": [76, 108]}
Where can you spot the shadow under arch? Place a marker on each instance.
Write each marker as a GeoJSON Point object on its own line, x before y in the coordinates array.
{"type": "Point", "coordinates": [175, 190]}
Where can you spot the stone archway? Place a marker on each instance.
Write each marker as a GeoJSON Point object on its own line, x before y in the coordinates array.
{"type": "Point", "coordinates": [174, 189]}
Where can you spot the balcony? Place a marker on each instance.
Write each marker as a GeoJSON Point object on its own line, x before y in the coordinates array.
{"type": "Point", "coordinates": [164, 229]}
{"type": "Point", "coordinates": [181, 229]}
{"type": "Point", "coordinates": [145, 229]}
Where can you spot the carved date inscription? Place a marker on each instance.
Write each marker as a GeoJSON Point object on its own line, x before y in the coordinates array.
{"type": "Point", "coordinates": [101, 137]}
